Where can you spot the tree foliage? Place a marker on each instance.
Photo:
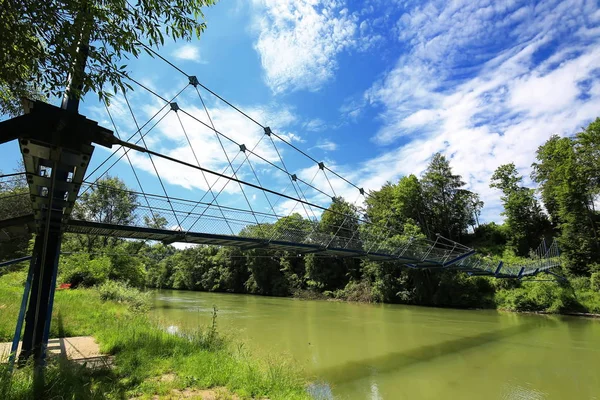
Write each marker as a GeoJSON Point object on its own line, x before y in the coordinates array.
{"type": "Point", "coordinates": [411, 209]}
{"type": "Point", "coordinates": [39, 43]}
{"type": "Point", "coordinates": [450, 209]}
{"type": "Point", "coordinates": [525, 221]}
{"type": "Point", "coordinates": [568, 174]}
{"type": "Point", "coordinates": [109, 202]}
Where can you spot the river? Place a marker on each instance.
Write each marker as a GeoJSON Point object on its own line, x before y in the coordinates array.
{"type": "Point", "coordinates": [380, 351]}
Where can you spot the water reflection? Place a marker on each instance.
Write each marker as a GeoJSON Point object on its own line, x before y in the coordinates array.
{"type": "Point", "coordinates": [395, 361]}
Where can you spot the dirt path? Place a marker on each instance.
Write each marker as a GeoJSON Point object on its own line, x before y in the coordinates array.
{"type": "Point", "coordinates": [81, 349]}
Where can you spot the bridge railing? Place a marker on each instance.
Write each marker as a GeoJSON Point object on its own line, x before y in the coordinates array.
{"type": "Point", "coordinates": [354, 235]}
{"type": "Point", "coordinates": [15, 200]}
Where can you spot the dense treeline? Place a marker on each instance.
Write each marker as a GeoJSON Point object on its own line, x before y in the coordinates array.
{"type": "Point", "coordinates": [566, 172]}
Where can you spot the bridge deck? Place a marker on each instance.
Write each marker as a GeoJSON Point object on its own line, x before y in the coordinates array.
{"type": "Point", "coordinates": [12, 227]}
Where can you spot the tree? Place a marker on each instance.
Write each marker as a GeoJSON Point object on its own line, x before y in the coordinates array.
{"type": "Point", "coordinates": [109, 202]}
{"type": "Point", "coordinates": [338, 225]}
{"type": "Point", "coordinates": [526, 223]}
{"type": "Point", "coordinates": [449, 208]}
{"type": "Point", "coordinates": [39, 43]}
{"type": "Point", "coordinates": [567, 172]}
{"type": "Point", "coordinates": [394, 204]}
{"type": "Point", "coordinates": [339, 221]}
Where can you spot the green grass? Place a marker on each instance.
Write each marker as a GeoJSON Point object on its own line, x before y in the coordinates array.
{"type": "Point", "coordinates": [143, 354]}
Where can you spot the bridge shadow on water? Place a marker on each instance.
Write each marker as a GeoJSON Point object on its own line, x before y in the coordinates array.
{"type": "Point", "coordinates": [355, 370]}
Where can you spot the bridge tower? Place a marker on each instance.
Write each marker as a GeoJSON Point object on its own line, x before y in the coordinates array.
{"type": "Point", "coordinates": [56, 145]}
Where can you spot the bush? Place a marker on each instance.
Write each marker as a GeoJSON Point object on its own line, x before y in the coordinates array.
{"type": "Point", "coordinates": [80, 270]}
{"type": "Point", "coordinates": [580, 283]}
{"type": "Point", "coordinates": [595, 281]}
{"type": "Point", "coordinates": [123, 293]}
{"type": "Point", "coordinates": [356, 291]}
{"type": "Point", "coordinates": [538, 296]}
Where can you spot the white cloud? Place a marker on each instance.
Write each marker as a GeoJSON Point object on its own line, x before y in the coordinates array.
{"type": "Point", "coordinates": [170, 138]}
{"type": "Point", "coordinates": [326, 145]}
{"type": "Point", "coordinates": [315, 125]}
{"type": "Point", "coordinates": [298, 41]}
{"type": "Point", "coordinates": [511, 102]}
{"type": "Point", "coordinates": [188, 52]}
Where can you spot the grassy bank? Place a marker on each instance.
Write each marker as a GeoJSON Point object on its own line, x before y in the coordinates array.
{"type": "Point", "coordinates": [147, 360]}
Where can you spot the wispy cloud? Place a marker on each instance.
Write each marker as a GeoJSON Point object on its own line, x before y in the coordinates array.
{"type": "Point", "coordinates": [315, 125]}
{"type": "Point", "coordinates": [298, 41]}
{"type": "Point", "coordinates": [176, 131]}
{"type": "Point", "coordinates": [486, 84]}
{"type": "Point", "coordinates": [188, 52]}
{"type": "Point", "coordinates": [326, 145]}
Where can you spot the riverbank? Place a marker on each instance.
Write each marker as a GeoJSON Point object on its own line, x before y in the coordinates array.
{"type": "Point", "coordinates": [576, 297]}
{"type": "Point", "coordinates": [513, 307]}
{"type": "Point", "coordinates": [147, 361]}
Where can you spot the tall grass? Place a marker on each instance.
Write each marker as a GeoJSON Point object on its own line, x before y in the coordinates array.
{"type": "Point", "coordinates": [123, 293]}
{"type": "Point", "coordinates": [143, 353]}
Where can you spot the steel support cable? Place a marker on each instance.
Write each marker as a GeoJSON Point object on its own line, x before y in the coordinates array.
{"type": "Point", "coordinates": [289, 175]}
{"type": "Point", "coordinates": [153, 164]}
{"type": "Point", "coordinates": [212, 124]}
{"type": "Point", "coordinates": [154, 153]}
{"type": "Point", "coordinates": [301, 194]}
{"type": "Point", "coordinates": [200, 84]}
{"type": "Point", "coordinates": [285, 189]}
{"type": "Point", "coordinates": [128, 158]}
{"type": "Point", "coordinates": [314, 222]}
{"type": "Point", "coordinates": [207, 216]}
{"type": "Point", "coordinates": [366, 194]}
{"type": "Point", "coordinates": [135, 133]}
{"type": "Point", "coordinates": [328, 181]}
{"type": "Point", "coordinates": [177, 200]}
{"type": "Point", "coordinates": [357, 228]}
{"type": "Point", "coordinates": [131, 164]}
{"type": "Point", "coordinates": [124, 153]}
{"type": "Point", "coordinates": [234, 158]}
{"type": "Point", "coordinates": [136, 142]}
{"type": "Point", "coordinates": [220, 134]}
{"type": "Point", "coordinates": [224, 186]}
{"type": "Point", "coordinates": [202, 172]}
{"type": "Point", "coordinates": [258, 181]}
{"type": "Point", "coordinates": [251, 152]}
{"type": "Point", "coordinates": [223, 135]}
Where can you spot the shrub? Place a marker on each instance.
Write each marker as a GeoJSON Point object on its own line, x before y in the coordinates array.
{"type": "Point", "coordinates": [80, 270]}
{"type": "Point", "coordinates": [595, 281]}
{"type": "Point", "coordinates": [356, 291]}
{"type": "Point", "coordinates": [123, 293]}
{"type": "Point", "coordinates": [538, 296]}
{"type": "Point", "coordinates": [580, 283]}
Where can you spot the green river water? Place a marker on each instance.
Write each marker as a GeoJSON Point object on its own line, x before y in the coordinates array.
{"type": "Point", "coordinates": [366, 351]}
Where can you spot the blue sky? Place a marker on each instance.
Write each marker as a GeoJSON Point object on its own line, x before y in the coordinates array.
{"type": "Point", "coordinates": [372, 88]}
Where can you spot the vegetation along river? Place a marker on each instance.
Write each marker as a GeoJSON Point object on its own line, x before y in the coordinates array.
{"type": "Point", "coordinates": [367, 351]}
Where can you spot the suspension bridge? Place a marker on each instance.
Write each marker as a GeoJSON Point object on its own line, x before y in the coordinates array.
{"type": "Point", "coordinates": [57, 144]}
